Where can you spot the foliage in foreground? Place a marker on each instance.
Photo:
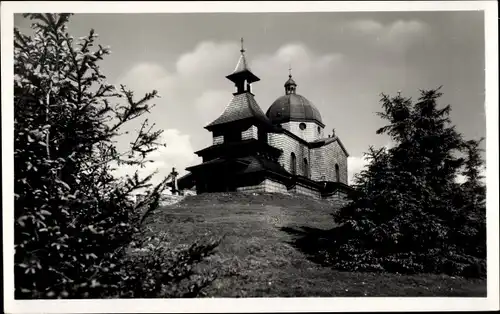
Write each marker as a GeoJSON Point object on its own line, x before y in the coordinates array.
{"type": "Point", "coordinates": [408, 214]}
{"type": "Point", "coordinates": [74, 219]}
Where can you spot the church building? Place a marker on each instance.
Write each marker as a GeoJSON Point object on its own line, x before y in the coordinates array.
{"type": "Point", "coordinates": [285, 150]}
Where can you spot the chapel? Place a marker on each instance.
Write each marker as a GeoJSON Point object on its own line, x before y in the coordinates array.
{"type": "Point", "coordinates": [285, 150]}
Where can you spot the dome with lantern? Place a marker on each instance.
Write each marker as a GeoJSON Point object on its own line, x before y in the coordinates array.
{"type": "Point", "coordinates": [293, 107]}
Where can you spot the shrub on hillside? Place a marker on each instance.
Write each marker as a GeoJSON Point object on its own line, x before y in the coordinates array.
{"type": "Point", "coordinates": [74, 219]}
{"type": "Point", "coordinates": [409, 215]}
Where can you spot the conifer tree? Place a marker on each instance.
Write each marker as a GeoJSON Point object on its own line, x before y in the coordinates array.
{"type": "Point", "coordinates": [471, 235]}
{"type": "Point", "coordinates": [407, 212]}
{"type": "Point", "coordinates": [73, 218]}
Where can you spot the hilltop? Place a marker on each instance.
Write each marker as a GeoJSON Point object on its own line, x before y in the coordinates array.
{"type": "Point", "coordinates": [259, 245]}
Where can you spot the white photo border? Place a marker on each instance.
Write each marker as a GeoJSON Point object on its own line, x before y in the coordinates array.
{"type": "Point", "coordinates": [222, 305]}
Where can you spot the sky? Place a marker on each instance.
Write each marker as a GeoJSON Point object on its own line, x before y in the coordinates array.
{"type": "Point", "coordinates": [341, 62]}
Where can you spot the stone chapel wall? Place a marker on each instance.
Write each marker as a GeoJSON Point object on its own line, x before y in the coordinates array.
{"type": "Point", "coordinates": [250, 133]}
{"type": "Point", "coordinates": [267, 185]}
{"type": "Point", "coordinates": [218, 139]}
{"type": "Point", "coordinates": [304, 190]}
{"type": "Point", "coordinates": [326, 157]}
{"type": "Point", "coordinates": [310, 133]}
{"type": "Point", "coordinates": [338, 199]}
{"type": "Point", "coordinates": [289, 145]}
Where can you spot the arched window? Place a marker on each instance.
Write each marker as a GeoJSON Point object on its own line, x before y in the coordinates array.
{"type": "Point", "coordinates": [337, 173]}
{"type": "Point", "coordinates": [306, 168]}
{"type": "Point", "coordinates": [293, 164]}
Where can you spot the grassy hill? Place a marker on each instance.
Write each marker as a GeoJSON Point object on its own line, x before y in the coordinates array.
{"type": "Point", "coordinates": [260, 246]}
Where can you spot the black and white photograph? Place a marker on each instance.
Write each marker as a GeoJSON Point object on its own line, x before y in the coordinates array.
{"type": "Point", "coordinates": [249, 156]}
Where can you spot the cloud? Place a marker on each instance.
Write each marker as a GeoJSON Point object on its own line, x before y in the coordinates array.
{"type": "Point", "coordinates": [198, 84]}
{"type": "Point", "coordinates": [397, 36]}
{"type": "Point", "coordinates": [144, 77]}
{"type": "Point", "coordinates": [198, 75]}
{"type": "Point", "coordinates": [206, 58]}
{"type": "Point", "coordinates": [304, 62]}
{"type": "Point", "coordinates": [196, 88]}
{"type": "Point", "coordinates": [177, 153]}
{"type": "Point", "coordinates": [365, 26]}
{"type": "Point", "coordinates": [211, 104]}
{"type": "Point", "coordinates": [354, 165]}
{"type": "Point", "coordinates": [203, 69]}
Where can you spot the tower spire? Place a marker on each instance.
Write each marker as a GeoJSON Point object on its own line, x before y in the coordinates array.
{"type": "Point", "coordinates": [290, 70]}
{"type": "Point", "coordinates": [242, 77]}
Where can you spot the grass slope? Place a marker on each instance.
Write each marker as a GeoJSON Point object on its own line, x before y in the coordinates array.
{"type": "Point", "coordinates": [263, 255]}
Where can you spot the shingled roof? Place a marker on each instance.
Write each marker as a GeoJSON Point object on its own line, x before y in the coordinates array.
{"type": "Point", "coordinates": [258, 164]}
{"type": "Point", "coordinates": [242, 106]}
{"type": "Point", "coordinates": [326, 141]}
{"type": "Point", "coordinates": [242, 71]}
{"type": "Point", "coordinates": [242, 64]}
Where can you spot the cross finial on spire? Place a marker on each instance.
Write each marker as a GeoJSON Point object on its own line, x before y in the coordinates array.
{"type": "Point", "coordinates": [290, 70]}
{"type": "Point", "coordinates": [242, 48]}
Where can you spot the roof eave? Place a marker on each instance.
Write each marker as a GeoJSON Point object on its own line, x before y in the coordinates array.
{"type": "Point", "coordinates": [235, 76]}
{"type": "Point", "coordinates": [328, 141]}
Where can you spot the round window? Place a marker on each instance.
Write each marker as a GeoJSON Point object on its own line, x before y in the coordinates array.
{"type": "Point", "coordinates": [302, 126]}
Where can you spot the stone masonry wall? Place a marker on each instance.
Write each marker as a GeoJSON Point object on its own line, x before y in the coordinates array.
{"type": "Point", "coordinates": [299, 189]}
{"type": "Point", "coordinates": [250, 133]}
{"type": "Point", "coordinates": [267, 185]}
{"type": "Point", "coordinates": [310, 133]}
{"type": "Point", "coordinates": [289, 145]}
{"type": "Point", "coordinates": [338, 199]}
{"type": "Point", "coordinates": [326, 157]}
{"type": "Point", "coordinates": [321, 161]}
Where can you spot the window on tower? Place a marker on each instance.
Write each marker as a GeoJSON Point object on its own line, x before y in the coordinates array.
{"type": "Point", "coordinates": [302, 126]}
{"type": "Point", "coordinates": [240, 87]}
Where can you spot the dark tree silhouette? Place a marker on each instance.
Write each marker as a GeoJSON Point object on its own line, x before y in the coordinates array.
{"type": "Point", "coordinates": [73, 218]}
